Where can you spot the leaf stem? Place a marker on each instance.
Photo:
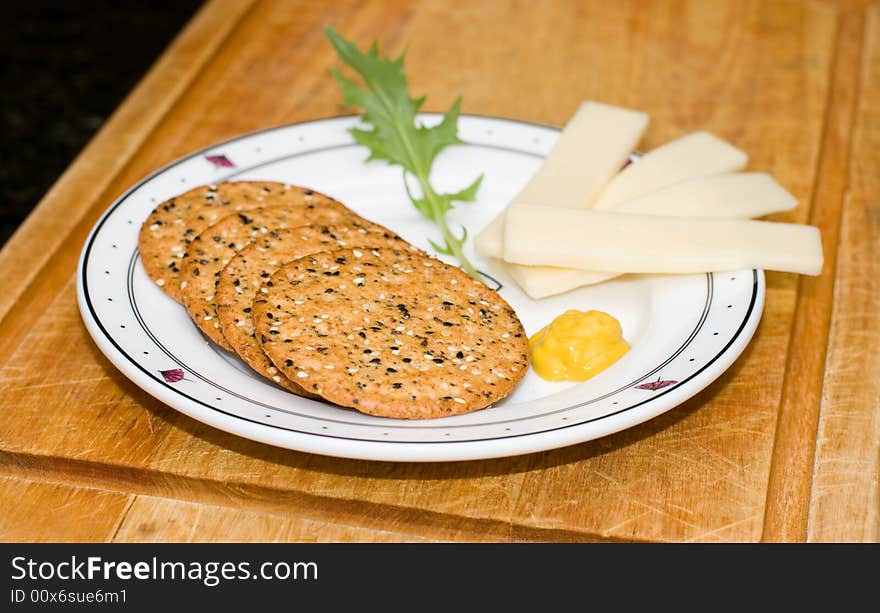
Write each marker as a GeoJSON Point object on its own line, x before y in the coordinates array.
{"type": "Point", "coordinates": [437, 212]}
{"type": "Point", "coordinates": [397, 136]}
{"type": "Point", "coordinates": [439, 217]}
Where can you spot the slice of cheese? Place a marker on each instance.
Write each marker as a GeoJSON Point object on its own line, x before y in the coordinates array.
{"type": "Point", "coordinates": [698, 154]}
{"type": "Point", "coordinates": [625, 242]}
{"type": "Point", "coordinates": [591, 148]}
{"type": "Point", "coordinates": [490, 240]}
{"type": "Point", "coordinates": [543, 281]}
{"type": "Point", "coordinates": [734, 195]}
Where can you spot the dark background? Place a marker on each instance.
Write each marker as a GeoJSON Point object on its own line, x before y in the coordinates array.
{"type": "Point", "coordinates": [66, 66]}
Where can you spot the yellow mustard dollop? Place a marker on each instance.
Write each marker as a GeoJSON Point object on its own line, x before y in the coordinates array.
{"type": "Point", "coordinates": [577, 345]}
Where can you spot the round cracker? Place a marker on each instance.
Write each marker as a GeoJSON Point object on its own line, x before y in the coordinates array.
{"type": "Point", "coordinates": [391, 332]}
{"type": "Point", "coordinates": [240, 281]}
{"type": "Point", "coordinates": [169, 228]}
{"type": "Point", "coordinates": [209, 252]}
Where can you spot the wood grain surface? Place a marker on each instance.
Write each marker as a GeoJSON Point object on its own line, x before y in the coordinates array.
{"type": "Point", "coordinates": [845, 501]}
{"type": "Point", "coordinates": [783, 447]}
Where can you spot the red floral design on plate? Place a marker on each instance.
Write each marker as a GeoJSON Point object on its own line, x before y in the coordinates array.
{"type": "Point", "coordinates": [656, 385]}
{"type": "Point", "coordinates": [220, 160]}
{"type": "Point", "coordinates": [172, 376]}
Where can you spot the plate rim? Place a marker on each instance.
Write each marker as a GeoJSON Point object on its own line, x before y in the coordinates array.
{"type": "Point", "coordinates": [391, 450]}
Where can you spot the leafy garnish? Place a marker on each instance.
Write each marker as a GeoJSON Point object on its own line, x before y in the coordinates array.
{"type": "Point", "coordinates": [396, 137]}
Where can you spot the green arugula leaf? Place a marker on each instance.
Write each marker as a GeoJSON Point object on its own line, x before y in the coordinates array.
{"type": "Point", "coordinates": [395, 136]}
{"type": "Point", "coordinates": [468, 194]}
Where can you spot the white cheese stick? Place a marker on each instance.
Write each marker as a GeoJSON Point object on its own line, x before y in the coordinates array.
{"type": "Point", "coordinates": [698, 154]}
{"type": "Point", "coordinates": [592, 147]}
{"type": "Point", "coordinates": [490, 240]}
{"type": "Point", "coordinates": [543, 281]}
{"type": "Point", "coordinates": [626, 242]}
{"type": "Point", "coordinates": [734, 195]}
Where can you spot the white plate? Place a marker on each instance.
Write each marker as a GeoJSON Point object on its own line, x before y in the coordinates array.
{"type": "Point", "coordinates": [684, 330]}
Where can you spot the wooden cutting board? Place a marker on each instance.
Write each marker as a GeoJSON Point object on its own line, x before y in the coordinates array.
{"type": "Point", "coordinates": [783, 447]}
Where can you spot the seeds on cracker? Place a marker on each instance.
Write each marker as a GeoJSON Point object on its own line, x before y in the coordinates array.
{"type": "Point", "coordinates": [239, 282]}
{"type": "Point", "coordinates": [171, 226]}
{"type": "Point", "coordinates": [210, 251]}
{"type": "Point", "coordinates": [394, 343]}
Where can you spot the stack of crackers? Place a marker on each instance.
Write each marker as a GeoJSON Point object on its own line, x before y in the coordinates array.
{"type": "Point", "coordinates": [331, 306]}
